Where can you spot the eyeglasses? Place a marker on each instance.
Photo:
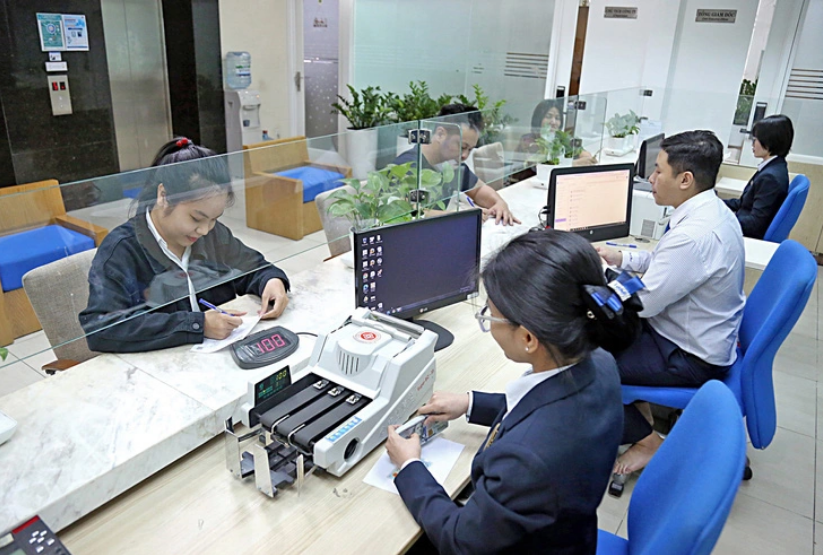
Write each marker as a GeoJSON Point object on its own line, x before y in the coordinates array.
{"type": "Point", "coordinates": [482, 318]}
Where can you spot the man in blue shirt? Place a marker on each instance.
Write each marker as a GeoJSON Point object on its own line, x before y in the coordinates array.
{"type": "Point", "coordinates": [446, 145]}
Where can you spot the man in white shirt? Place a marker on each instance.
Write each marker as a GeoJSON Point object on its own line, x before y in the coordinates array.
{"type": "Point", "coordinates": [693, 301]}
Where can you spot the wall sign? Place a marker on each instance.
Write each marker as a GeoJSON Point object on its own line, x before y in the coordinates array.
{"type": "Point", "coordinates": [716, 16]}
{"type": "Point", "coordinates": [50, 27]}
{"type": "Point", "coordinates": [77, 33]}
{"type": "Point", "coordinates": [60, 32]}
{"type": "Point", "coordinates": [615, 12]}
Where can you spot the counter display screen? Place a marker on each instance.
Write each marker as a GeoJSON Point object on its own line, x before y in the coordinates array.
{"type": "Point", "coordinates": [264, 347]}
{"type": "Point", "coordinates": [266, 388]}
{"type": "Point", "coordinates": [269, 344]}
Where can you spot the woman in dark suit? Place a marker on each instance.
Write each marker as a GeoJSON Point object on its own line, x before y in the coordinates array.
{"type": "Point", "coordinates": [544, 466]}
{"type": "Point", "coordinates": [764, 194]}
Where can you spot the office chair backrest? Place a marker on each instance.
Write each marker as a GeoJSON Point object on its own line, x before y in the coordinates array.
{"type": "Point", "coordinates": [684, 495]}
{"type": "Point", "coordinates": [786, 217]}
{"type": "Point", "coordinates": [336, 228]}
{"type": "Point", "coordinates": [58, 292]}
{"type": "Point", "coordinates": [774, 306]}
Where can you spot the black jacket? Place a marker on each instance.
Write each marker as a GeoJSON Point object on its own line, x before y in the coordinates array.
{"type": "Point", "coordinates": [539, 483]}
{"type": "Point", "coordinates": [138, 298]}
{"type": "Point", "coordinates": [762, 198]}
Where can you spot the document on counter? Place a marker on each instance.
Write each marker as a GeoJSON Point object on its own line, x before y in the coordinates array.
{"type": "Point", "coordinates": [240, 332]}
{"type": "Point", "coordinates": [439, 455]}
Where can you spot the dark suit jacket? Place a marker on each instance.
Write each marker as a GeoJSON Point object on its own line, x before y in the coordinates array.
{"type": "Point", "coordinates": [538, 485]}
{"type": "Point", "coordinates": [131, 276]}
{"type": "Point", "coordinates": [762, 198]}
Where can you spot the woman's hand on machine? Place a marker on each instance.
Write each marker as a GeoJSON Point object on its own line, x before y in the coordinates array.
{"type": "Point", "coordinates": [400, 449]}
{"type": "Point", "coordinates": [445, 406]}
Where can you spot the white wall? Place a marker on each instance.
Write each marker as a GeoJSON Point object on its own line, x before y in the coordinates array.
{"type": "Point", "coordinates": [804, 105]}
{"type": "Point", "coordinates": [707, 68]}
{"type": "Point", "coordinates": [616, 48]}
{"type": "Point", "coordinates": [261, 27]}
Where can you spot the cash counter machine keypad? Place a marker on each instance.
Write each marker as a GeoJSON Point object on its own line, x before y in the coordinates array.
{"type": "Point", "coordinates": [32, 538]}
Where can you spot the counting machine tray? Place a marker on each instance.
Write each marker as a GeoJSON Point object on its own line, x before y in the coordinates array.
{"type": "Point", "coordinates": [310, 409]}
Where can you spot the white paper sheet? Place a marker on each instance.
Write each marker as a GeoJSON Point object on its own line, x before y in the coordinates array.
{"type": "Point", "coordinates": [214, 345]}
{"type": "Point", "coordinates": [439, 455]}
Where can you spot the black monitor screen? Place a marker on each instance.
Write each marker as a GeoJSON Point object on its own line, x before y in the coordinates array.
{"type": "Point", "coordinates": [647, 158]}
{"type": "Point", "coordinates": [411, 268]}
{"type": "Point", "coordinates": [593, 201]}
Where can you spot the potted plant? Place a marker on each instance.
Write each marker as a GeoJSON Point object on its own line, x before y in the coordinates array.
{"type": "Point", "coordinates": [622, 129]}
{"type": "Point", "coordinates": [365, 110]}
{"type": "Point", "coordinates": [413, 106]}
{"type": "Point", "coordinates": [549, 153]}
{"type": "Point", "coordinates": [383, 198]}
{"type": "Point", "coordinates": [494, 119]}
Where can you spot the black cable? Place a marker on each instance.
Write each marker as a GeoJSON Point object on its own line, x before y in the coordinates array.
{"type": "Point", "coordinates": [306, 333]}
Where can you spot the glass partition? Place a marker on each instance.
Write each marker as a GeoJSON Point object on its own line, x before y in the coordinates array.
{"type": "Point", "coordinates": [206, 229]}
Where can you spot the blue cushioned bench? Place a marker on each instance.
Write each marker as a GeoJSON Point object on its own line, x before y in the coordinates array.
{"type": "Point", "coordinates": [30, 249]}
{"type": "Point", "coordinates": [315, 180]}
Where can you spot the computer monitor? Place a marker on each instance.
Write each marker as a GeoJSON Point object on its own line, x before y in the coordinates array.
{"type": "Point", "coordinates": [408, 269]}
{"type": "Point", "coordinates": [647, 157]}
{"type": "Point", "coordinates": [592, 201]}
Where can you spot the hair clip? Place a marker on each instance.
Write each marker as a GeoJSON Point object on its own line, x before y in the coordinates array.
{"type": "Point", "coordinates": [182, 142]}
{"type": "Point", "coordinates": [605, 302]}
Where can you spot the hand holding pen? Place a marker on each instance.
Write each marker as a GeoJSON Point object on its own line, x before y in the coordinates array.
{"type": "Point", "coordinates": [218, 323]}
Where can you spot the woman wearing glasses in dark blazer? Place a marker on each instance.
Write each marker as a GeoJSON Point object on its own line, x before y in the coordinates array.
{"type": "Point", "coordinates": [544, 466]}
{"type": "Point", "coordinates": [764, 194]}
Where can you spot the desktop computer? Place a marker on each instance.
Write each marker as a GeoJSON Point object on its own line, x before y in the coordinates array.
{"type": "Point", "coordinates": [592, 201]}
{"type": "Point", "coordinates": [408, 269]}
{"type": "Point", "coordinates": [648, 219]}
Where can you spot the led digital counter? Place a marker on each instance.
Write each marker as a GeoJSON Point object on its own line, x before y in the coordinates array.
{"type": "Point", "coordinates": [264, 347]}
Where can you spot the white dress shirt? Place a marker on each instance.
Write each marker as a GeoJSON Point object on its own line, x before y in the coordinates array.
{"type": "Point", "coordinates": [694, 279]}
{"type": "Point", "coordinates": [517, 389]}
{"type": "Point", "coordinates": [183, 263]}
{"type": "Point", "coordinates": [762, 164]}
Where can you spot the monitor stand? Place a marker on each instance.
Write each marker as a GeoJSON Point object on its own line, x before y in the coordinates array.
{"type": "Point", "coordinates": [444, 336]}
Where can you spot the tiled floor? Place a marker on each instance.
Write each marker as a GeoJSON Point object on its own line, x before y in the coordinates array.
{"type": "Point", "coordinates": [776, 512]}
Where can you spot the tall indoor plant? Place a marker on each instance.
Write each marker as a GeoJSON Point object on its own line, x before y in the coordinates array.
{"type": "Point", "coordinates": [417, 104]}
{"type": "Point", "coordinates": [365, 110]}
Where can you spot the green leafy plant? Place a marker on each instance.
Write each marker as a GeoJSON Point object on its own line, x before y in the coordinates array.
{"type": "Point", "coordinates": [415, 105]}
{"type": "Point", "coordinates": [3, 353]}
{"type": "Point", "coordinates": [366, 109]}
{"type": "Point", "coordinates": [548, 151]}
{"type": "Point", "coordinates": [493, 117]}
{"type": "Point", "coordinates": [384, 197]}
{"type": "Point", "coordinates": [623, 126]}
{"type": "Point", "coordinates": [745, 101]}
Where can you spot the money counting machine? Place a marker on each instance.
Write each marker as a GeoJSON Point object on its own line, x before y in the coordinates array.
{"type": "Point", "coordinates": [371, 372]}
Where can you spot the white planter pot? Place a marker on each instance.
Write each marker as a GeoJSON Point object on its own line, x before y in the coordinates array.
{"type": "Point", "coordinates": [544, 172]}
{"type": "Point", "coordinates": [402, 145]}
{"type": "Point", "coordinates": [620, 143]}
{"type": "Point", "coordinates": [361, 151]}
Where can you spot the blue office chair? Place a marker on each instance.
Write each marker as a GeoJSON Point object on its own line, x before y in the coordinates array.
{"type": "Point", "coordinates": [771, 312]}
{"type": "Point", "coordinates": [681, 501]}
{"type": "Point", "coordinates": [786, 217]}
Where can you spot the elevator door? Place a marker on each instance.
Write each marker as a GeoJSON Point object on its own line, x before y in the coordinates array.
{"type": "Point", "coordinates": [139, 84]}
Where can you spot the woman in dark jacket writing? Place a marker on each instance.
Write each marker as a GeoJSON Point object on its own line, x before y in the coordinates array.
{"type": "Point", "coordinates": [150, 274]}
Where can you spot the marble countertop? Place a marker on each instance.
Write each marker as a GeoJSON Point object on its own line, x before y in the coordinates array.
{"type": "Point", "coordinates": [87, 435]}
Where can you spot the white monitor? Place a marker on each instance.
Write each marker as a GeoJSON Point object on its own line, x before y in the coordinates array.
{"type": "Point", "coordinates": [593, 201]}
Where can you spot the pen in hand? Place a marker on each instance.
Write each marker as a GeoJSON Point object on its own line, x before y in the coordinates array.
{"type": "Point", "coordinates": [211, 306]}
{"type": "Point", "coordinates": [627, 245]}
